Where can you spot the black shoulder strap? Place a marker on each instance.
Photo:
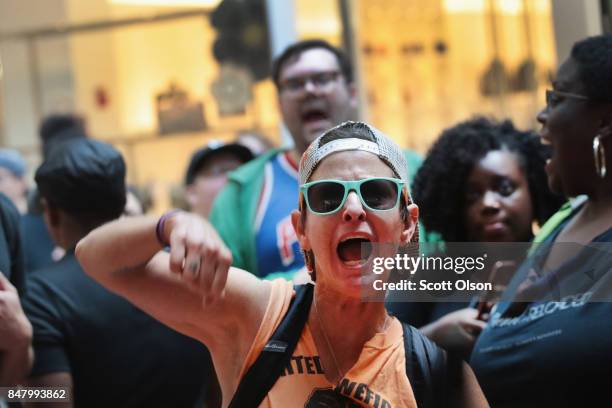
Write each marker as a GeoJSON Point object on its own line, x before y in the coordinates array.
{"type": "Point", "coordinates": [433, 373]}
{"type": "Point", "coordinates": [262, 375]}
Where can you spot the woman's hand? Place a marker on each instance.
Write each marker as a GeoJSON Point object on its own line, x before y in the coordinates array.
{"type": "Point", "coordinates": [456, 331]}
{"type": "Point", "coordinates": [198, 254]}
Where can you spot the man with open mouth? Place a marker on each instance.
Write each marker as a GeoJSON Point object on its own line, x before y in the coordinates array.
{"type": "Point", "coordinates": [316, 92]}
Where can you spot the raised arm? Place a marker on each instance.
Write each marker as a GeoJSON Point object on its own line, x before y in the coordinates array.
{"type": "Point", "coordinates": [192, 289]}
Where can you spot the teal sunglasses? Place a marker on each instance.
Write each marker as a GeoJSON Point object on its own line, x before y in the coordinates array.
{"type": "Point", "coordinates": [325, 197]}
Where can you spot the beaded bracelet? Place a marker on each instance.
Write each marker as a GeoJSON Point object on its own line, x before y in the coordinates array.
{"type": "Point", "coordinates": [159, 228]}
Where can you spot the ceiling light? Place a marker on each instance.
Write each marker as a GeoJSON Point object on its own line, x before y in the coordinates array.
{"type": "Point", "coordinates": [167, 3]}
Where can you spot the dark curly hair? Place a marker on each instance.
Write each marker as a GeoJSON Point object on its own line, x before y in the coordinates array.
{"type": "Point", "coordinates": [439, 185]}
{"type": "Point", "coordinates": [594, 58]}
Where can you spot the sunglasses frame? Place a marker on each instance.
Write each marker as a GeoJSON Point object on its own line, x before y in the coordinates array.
{"type": "Point", "coordinates": [551, 92]}
{"type": "Point", "coordinates": [351, 185]}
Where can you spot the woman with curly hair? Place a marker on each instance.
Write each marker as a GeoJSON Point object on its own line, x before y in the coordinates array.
{"type": "Point", "coordinates": [477, 157]}
{"type": "Point", "coordinates": [482, 181]}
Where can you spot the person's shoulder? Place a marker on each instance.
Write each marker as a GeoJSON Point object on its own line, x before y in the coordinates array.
{"type": "Point", "coordinates": [606, 236]}
{"type": "Point", "coordinates": [32, 222]}
{"type": "Point", "coordinates": [48, 288]}
{"type": "Point", "coordinates": [562, 214]}
{"type": "Point", "coordinates": [7, 205]}
{"type": "Point", "coordinates": [9, 214]}
{"type": "Point", "coordinates": [277, 296]}
{"type": "Point", "coordinates": [253, 168]}
{"type": "Point", "coordinates": [10, 247]}
{"type": "Point", "coordinates": [58, 275]}
{"type": "Point", "coordinates": [412, 156]}
{"type": "Point", "coordinates": [242, 185]}
{"type": "Point", "coordinates": [413, 161]}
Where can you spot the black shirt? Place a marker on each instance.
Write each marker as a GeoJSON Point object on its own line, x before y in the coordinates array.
{"type": "Point", "coordinates": [419, 314]}
{"type": "Point", "coordinates": [556, 352]}
{"type": "Point", "coordinates": [11, 255]}
{"type": "Point", "coordinates": [37, 243]}
{"type": "Point", "coordinates": [118, 355]}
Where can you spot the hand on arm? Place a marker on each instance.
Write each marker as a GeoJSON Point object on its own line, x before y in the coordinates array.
{"type": "Point", "coordinates": [16, 354]}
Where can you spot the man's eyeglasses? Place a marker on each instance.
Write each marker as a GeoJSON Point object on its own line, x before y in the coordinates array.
{"type": "Point", "coordinates": [555, 97]}
{"type": "Point", "coordinates": [320, 80]}
{"type": "Point", "coordinates": [326, 197]}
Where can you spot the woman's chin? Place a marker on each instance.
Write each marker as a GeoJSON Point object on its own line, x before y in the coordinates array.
{"type": "Point", "coordinates": [347, 279]}
{"type": "Point", "coordinates": [357, 280]}
{"type": "Point", "coordinates": [353, 282]}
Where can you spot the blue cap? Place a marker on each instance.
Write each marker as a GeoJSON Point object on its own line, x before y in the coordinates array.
{"type": "Point", "coordinates": [11, 160]}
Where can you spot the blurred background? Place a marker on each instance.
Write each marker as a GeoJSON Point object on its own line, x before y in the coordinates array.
{"type": "Point", "coordinates": [159, 79]}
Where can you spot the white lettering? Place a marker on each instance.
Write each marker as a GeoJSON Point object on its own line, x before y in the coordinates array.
{"type": "Point", "coordinates": [377, 283]}
{"type": "Point", "coordinates": [469, 285]}
{"type": "Point", "coordinates": [443, 285]}
{"type": "Point", "coordinates": [378, 269]}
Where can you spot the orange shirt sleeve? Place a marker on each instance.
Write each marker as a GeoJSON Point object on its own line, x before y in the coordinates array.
{"type": "Point", "coordinates": [280, 297]}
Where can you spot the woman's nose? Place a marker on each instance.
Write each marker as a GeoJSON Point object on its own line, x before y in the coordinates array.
{"type": "Point", "coordinates": [490, 202]}
{"type": "Point", "coordinates": [353, 209]}
{"type": "Point", "coordinates": [542, 116]}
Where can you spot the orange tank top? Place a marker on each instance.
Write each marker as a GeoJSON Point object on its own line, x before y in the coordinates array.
{"type": "Point", "coordinates": [377, 380]}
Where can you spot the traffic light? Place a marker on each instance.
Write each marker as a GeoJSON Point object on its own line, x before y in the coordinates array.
{"type": "Point", "coordinates": [242, 35]}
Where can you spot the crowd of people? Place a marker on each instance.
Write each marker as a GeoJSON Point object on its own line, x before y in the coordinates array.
{"type": "Point", "coordinates": [250, 294]}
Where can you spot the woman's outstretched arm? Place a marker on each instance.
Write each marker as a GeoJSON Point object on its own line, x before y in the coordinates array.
{"type": "Point", "coordinates": [192, 289]}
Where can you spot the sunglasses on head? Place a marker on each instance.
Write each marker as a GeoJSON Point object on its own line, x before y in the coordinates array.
{"type": "Point", "coordinates": [326, 197]}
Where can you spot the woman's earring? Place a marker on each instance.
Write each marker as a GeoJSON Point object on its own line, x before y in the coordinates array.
{"type": "Point", "coordinates": [310, 265]}
{"type": "Point", "coordinates": [599, 154]}
{"type": "Point", "coordinates": [307, 260]}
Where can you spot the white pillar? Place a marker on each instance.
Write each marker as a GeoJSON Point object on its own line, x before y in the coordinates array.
{"type": "Point", "coordinates": [18, 110]}
{"type": "Point", "coordinates": [281, 32]}
{"type": "Point", "coordinates": [574, 20]}
{"type": "Point", "coordinates": [23, 102]}
{"type": "Point", "coordinates": [281, 24]}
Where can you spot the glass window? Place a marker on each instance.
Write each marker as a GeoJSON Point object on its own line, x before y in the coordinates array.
{"type": "Point", "coordinates": [426, 65]}
{"type": "Point", "coordinates": [154, 88]}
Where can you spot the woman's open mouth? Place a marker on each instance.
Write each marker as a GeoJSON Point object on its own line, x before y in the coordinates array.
{"type": "Point", "coordinates": [355, 251]}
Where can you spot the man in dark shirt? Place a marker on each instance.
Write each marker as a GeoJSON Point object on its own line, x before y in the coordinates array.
{"type": "Point", "coordinates": [85, 337]}
{"type": "Point", "coordinates": [39, 249]}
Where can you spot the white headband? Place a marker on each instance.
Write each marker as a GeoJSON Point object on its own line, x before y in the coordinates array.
{"type": "Point", "coordinates": [383, 147]}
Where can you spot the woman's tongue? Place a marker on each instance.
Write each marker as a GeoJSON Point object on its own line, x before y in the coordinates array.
{"type": "Point", "coordinates": [352, 252]}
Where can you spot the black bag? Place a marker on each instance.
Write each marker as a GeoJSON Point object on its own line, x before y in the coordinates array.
{"type": "Point", "coordinates": [432, 372]}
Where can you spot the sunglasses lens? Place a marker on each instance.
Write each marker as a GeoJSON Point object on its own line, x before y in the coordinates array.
{"type": "Point", "coordinates": [325, 197]}
{"type": "Point", "coordinates": [379, 194]}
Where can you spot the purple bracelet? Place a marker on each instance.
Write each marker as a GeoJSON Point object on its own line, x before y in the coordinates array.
{"type": "Point", "coordinates": [159, 228]}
